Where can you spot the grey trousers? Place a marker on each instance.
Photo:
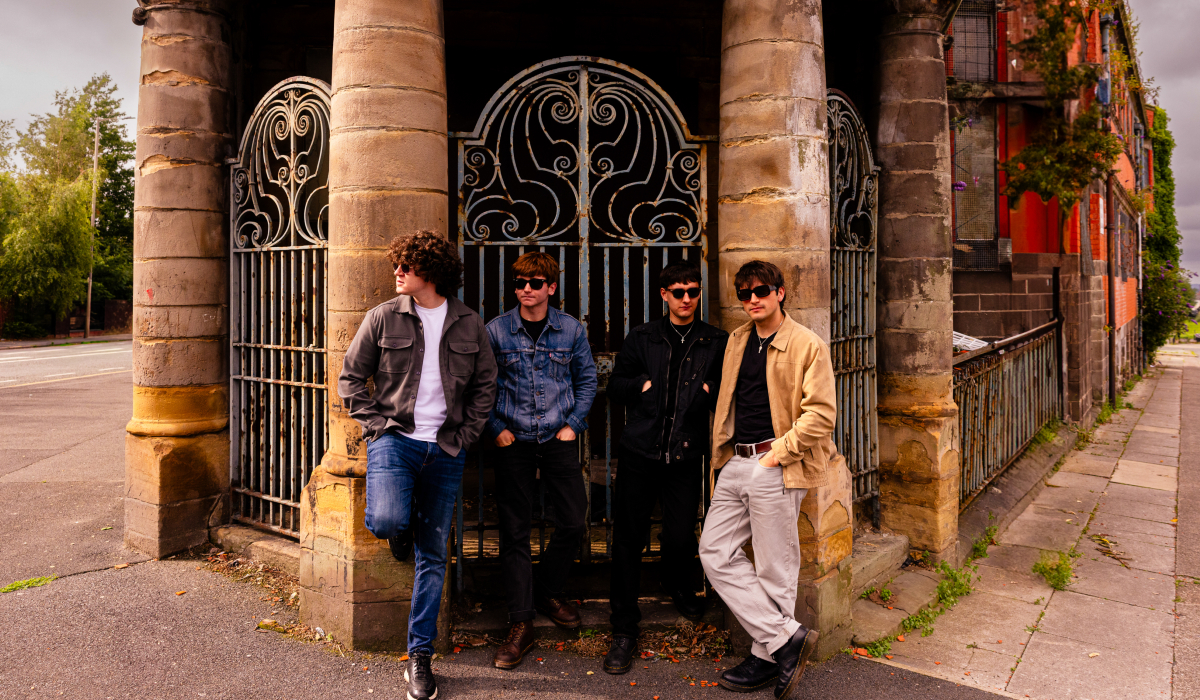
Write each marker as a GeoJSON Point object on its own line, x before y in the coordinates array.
{"type": "Point", "coordinates": [750, 503]}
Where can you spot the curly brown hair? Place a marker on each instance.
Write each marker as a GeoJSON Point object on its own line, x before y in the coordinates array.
{"type": "Point", "coordinates": [432, 257]}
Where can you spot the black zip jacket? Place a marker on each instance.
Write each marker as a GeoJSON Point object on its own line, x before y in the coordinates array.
{"type": "Point", "coordinates": [646, 355]}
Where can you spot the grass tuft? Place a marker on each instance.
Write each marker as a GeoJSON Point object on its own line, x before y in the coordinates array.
{"type": "Point", "coordinates": [27, 583]}
{"type": "Point", "coordinates": [1056, 570]}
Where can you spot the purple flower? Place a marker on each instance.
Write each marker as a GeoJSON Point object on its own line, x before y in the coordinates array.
{"type": "Point", "coordinates": [959, 186]}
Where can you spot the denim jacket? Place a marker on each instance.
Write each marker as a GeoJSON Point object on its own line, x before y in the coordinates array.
{"type": "Point", "coordinates": [541, 389]}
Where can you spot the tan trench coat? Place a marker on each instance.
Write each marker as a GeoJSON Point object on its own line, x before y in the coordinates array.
{"type": "Point", "coordinates": [803, 404]}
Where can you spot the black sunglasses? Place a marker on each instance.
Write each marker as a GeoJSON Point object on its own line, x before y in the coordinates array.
{"type": "Point", "coordinates": [534, 284]}
{"type": "Point", "coordinates": [403, 267]}
{"type": "Point", "coordinates": [761, 291]}
{"type": "Point", "coordinates": [678, 293]}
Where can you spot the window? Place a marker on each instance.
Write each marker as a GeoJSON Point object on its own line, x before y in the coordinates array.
{"type": "Point", "coordinates": [973, 178]}
{"type": "Point", "coordinates": [973, 54]}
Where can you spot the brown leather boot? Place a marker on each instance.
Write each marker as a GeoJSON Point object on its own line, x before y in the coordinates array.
{"type": "Point", "coordinates": [520, 640]}
{"type": "Point", "coordinates": [559, 611]}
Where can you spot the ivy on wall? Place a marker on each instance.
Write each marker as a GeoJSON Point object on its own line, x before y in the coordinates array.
{"type": "Point", "coordinates": [1067, 152]}
{"type": "Point", "coordinates": [1166, 288]}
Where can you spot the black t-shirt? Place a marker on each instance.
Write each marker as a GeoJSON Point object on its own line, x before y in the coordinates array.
{"type": "Point", "coordinates": [678, 351]}
{"type": "Point", "coordinates": [534, 328]}
{"type": "Point", "coordinates": [751, 404]}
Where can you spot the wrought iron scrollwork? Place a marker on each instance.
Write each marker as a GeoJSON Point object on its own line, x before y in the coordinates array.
{"type": "Point", "coordinates": [853, 177]}
{"type": "Point", "coordinates": [281, 182]}
{"type": "Point", "coordinates": [576, 147]}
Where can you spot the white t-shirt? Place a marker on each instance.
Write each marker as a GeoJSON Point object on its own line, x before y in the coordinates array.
{"type": "Point", "coordinates": [430, 412]}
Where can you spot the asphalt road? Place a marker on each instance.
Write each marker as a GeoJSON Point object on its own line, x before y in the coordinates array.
{"type": "Point", "coordinates": [99, 632]}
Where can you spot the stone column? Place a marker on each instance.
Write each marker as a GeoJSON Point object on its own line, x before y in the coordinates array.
{"type": "Point", "coordinates": [387, 176]}
{"type": "Point", "coordinates": [918, 426]}
{"type": "Point", "coordinates": [773, 204]}
{"type": "Point", "coordinates": [177, 450]}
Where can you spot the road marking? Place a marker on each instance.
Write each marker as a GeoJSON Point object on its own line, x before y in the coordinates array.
{"type": "Point", "coordinates": [65, 379]}
{"type": "Point", "coordinates": [6, 381]}
{"type": "Point", "coordinates": [60, 374]}
{"type": "Point", "coordinates": [64, 357]}
{"type": "Point", "coordinates": [105, 369]}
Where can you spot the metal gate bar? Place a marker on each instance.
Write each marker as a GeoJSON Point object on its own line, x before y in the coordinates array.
{"type": "Point", "coordinates": [278, 264]}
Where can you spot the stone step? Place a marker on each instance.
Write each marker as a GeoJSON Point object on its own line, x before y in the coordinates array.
{"type": "Point", "coordinates": [263, 547]}
{"type": "Point", "coordinates": [877, 557]}
{"type": "Point", "coordinates": [913, 589]}
{"type": "Point", "coordinates": [657, 613]}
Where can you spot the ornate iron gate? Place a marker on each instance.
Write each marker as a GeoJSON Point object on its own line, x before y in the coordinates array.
{"type": "Point", "coordinates": [590, 161]}
{"type": "Point", "coordinates": [279, 233]}
{"type": "Point", "coordinates": [853, 188]}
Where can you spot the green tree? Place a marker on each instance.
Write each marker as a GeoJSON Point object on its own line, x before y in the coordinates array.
{"type": "Point", "coordinates": [1166, 288]}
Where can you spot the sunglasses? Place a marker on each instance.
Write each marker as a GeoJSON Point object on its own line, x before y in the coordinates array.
{"type": "Point", "coordinates": [761, 291]}
{"type": "Point", "coordinates": [692, 292]}
{"type": "Point", "coordinates": [534, 284]}
{"type": "Point", "coordinates": [402, 267]}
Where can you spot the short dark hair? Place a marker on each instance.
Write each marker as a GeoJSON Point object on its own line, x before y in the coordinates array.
{"type": "Point", "coordinates": [432, 257]}
{"type": "Point", "coordinates": [536, 263]}
{"type": "Point", "coordinates": [760, 270]}
{"type": "Point", "coordinates": [678, 273]}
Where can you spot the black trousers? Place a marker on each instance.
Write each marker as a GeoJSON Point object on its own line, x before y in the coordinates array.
{"type": "Point", "coordinates": [641, 483]}
{"type": "Point", "coordinates": [516, 493]}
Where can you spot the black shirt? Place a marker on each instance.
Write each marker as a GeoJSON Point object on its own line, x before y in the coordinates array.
{"type": "Point", "coordinates": [534, 328]}
{"type": "Point", "coordinates": [751, 404]}
{"type": "Point", "coordinates": [678, 352]}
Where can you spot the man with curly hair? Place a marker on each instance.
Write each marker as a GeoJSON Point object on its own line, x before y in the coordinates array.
{"type": "Point", "coordinates": [547, 382]}
{"type": "Point", "coordinates": [435, 384]}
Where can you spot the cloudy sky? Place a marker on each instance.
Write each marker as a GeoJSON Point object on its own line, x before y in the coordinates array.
{"type": "Point", "coordinates": [94, 36]}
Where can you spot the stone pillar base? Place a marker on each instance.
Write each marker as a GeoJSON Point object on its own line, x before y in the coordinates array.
{"type": "Point", "coordinates": [175, 489]}
{"type": "Point", "coordinates": [919, 481]}
{"type": "Point", "coordinates": [350, 585]}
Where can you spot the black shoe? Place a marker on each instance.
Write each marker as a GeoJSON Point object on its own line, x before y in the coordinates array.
{"type": "Point", "coordinates": [792, 658]}
{"type": "Point", "coordinates": [620, 654]}
{"type": "Point", "coordinates": [751, 674]}
{"type": "Point", "coordinates": [401, 544]}
{"type": "Point", "coordinates": [419, 676]}
{"type": "Point", "coordinates": [688, 604]}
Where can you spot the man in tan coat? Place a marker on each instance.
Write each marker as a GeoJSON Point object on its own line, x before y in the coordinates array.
{"type": "Point", "coordinates": [771, 441]}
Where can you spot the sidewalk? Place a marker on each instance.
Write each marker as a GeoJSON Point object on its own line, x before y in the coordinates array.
{"type": "Point", "coordinates": [1111, 633]}
{"type": "Point", "coordinates": [46, 342]}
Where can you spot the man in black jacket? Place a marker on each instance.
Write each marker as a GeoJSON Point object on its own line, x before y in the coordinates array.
{"type": "Point", "coordinates": [666, 374]}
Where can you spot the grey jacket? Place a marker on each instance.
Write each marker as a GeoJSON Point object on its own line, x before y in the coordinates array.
{"type": "Point", "coordinates": [389, 345]}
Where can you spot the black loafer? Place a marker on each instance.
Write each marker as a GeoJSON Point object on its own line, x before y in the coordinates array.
{"type": "Point", "coordinates": [792, 658]}
{"type": "Point", "coordinates": [688, 604]}
{"type": "Point", "coordinates": [402, 544]}
{"type": "Point", "coordinates": [620, 654]}
{"type": "Point", "coordinates": [753, 673]}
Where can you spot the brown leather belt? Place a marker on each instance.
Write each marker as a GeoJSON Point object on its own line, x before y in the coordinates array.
{"type": "Point", "coordinates": [751, 450]}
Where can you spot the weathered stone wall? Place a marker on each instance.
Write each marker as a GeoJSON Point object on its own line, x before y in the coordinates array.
{"type": "Point", "coordinates": [387, 176]}
{"type": "Point", "coordinates": [919, 459]}
{"type": "Point", "coordinates": [177, 450]}
{"type": "Point", "coordinates": [997, 305]}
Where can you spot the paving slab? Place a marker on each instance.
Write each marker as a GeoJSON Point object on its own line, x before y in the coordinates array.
{"type": "Point", "coordinates": [935, 650]}
{"type": "Point", "coordinates": [989, 670]}
{"type": "Point", "coordinates": [1068, 480]}
{"type": "Point", "coordinates": [990, 621]}
{"type": "Point", "coordinates": [1160, 421]}
{"type": "Point", "coordinates": [1150, 458]}
{"type": "Point", "coordinates": [1151, 476]}
{"type": "Point", "coordinates": [1155, 447]}
{"type": "Point", "coordinates": [912, 591]}
{"type": "Point", "coordinates": [1156, 429]}
{"type": "Point", "coordinates": [1093, 465]}
{"type": "Point", "coordinates": [1044, 528]}
{"type": "Point", "coordinates": [1096, 577]}
{"type": "Point", "coordinates": [872, 621]}
{"type": "Point", "coordinates": [1021, 585]}
{"type": "Point", "coordinates": [1104, 449]}
{"type": "Point", "coordinates": [1108, 623]}
{"type": "Point", "coordinates": [1076, 501]}
{"type": "Point", "coordinates": [1137, 509]}
{"type": "Point", "coordinates": [1019, 559]}
{"type": "Point", "coordinates": [1136, 555]}
{"type": "Point", "coordinates": [1055, 668]}
{"type": "Point", "coordinates": [1141, 494]}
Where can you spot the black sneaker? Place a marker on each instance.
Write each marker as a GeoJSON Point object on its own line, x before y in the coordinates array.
{"type": "Point", "coordinates": [753, 673]}
{"type": "Point", "coordinates": [792, 658]}
{"type": "Point", "coordinates": [620, 654]}
{"type": "Point", "coordinates": [402, 544]}
{"type": "Point", "coordinates": [688, 604]}
{"type": "Point", "coordinates": [419, 676]}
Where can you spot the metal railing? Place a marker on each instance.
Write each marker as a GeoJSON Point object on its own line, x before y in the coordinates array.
{"type": "Point", "coordinates": [1006, 392]}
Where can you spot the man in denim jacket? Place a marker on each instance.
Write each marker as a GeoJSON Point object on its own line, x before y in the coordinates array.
{"type": "Point", "coordinates": [546, 384]}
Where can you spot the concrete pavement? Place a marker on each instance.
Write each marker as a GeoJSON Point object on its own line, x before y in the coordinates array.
{"type": "Point", "coordinates": [99, 632]}
{"type": "Point", "coordinates": [1113, 632]}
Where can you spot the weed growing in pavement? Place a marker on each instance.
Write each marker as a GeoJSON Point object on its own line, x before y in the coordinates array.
{"type": "Point", "coordinates": [921, 621]}
{"type": "Point", "coordinates": [1047, 434]}
{"type": "Point", "coordinates": [885, 594]}
{"type": "Point", "coordinates": [867, 593]}
{"type": "Point", "coordinates": [980, 546]}
{"type": "Point", "coordinates": [1056, 571]}
{"type": "Point", "coordinates": [955, 583]}
{"type": "Point", "coordinates": [879, 647]}
{"type": "Point", "coordinates": [1082, 438]}
{"type": "Point", "coordinates": [27, 583]}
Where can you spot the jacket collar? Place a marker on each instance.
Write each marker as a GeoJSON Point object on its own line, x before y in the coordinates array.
{"type": "Point", "coordinates": [404, 304]}
{"type": "Point", "coordinates": [553, 319]}
{"type": "Point", "coordinates": [782, 336]}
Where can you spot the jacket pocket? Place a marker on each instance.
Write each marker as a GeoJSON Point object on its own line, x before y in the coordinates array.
{"type": "Point", "coordinates": [560, 365]}
{"type": "Point", "coordinates": [395, 354]}
{"type": "Point", "coordinates": [461, 359]}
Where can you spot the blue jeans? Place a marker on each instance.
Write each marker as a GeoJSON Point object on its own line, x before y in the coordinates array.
{"type": "Point", "coordinates": [413, 484]}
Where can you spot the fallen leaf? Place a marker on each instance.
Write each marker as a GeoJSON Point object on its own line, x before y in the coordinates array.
{"type": "Point", "coordinates": [106, 528]}
{"type": "Point", "coordinates": [632, 682]}
{"type": "Point", "coordinates": [180, 592]}
{"type": "Point", "coordinates": [591, 673]}
{"type": "Point", "coordinates": [939, 663]}
{"type": "Point", "coordinates": [1093, 655]}
{"type": "Point", "coordinates": [889, 656]}
{"type": "Point", "coordinates": [999, 641]}
{"type": "Point", "coordinates": [862, 652]}
{"type": "Point", "coordinates": [121, 566]}
{"type": "Point", "coordinates": [403, 658]}
{"type": "Point", "coordinates": [900, 638]}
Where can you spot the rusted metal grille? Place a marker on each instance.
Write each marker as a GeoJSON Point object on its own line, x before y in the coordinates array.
{"type": "Point", "coordinates": [973, 55]}
{"type": "Point", "coordinates": [278, 259]}
{"type": "Point", "coordinates": [590, 161]}
{"type": "Point", "coordinates": [853, 193]}
{"type": "Point", "coordinates": [1006, 392]}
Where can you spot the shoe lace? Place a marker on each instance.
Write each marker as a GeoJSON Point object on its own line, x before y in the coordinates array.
{"type": "Point", "coordinates": [422, 671]}
{"type": "Point", "coordinates": [515, 633]}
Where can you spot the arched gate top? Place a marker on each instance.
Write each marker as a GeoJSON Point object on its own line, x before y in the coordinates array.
{"type": "Point", "coordinates": [853, 176]}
